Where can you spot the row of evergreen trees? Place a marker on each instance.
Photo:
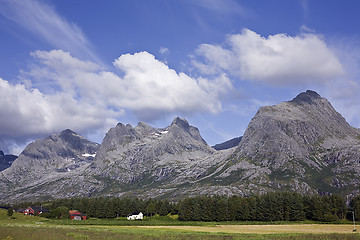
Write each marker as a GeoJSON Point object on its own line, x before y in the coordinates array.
{"type": "Point", "coordinates": [275, 206]}
{"type": "Point", "coordinates": [279, 206]}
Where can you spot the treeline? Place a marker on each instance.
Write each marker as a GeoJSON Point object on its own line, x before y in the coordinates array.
{"type": "Point", "coordinates": [275, 206]}
{"type": "Point", "coordinates": [278, 206]}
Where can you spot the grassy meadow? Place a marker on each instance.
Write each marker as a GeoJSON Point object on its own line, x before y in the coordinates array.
{"type": "Point", "coordinates": [21, 227]}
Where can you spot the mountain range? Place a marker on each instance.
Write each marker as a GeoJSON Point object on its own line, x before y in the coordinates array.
{"type": "Point", "coordinates": [301, 145]}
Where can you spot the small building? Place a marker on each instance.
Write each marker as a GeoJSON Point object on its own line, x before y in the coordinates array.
{"type": "Point", "coordinates": [35, 210]}
{"type": "Point", "coordinates": [135, 216]}
{"type": "Point", "coordinates": [76, 215]}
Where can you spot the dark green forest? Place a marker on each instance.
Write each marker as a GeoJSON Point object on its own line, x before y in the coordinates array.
{"type": "Point", "coordinates": [274, 206]}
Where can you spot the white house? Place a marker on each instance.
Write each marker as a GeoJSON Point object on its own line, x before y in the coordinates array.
{"type": "Point", "coordinates": [135, 216]}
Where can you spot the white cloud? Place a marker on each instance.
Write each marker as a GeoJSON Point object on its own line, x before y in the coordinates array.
{"type": "Point", "coordinates": [42, 21]}
{"type": "Point", "coordinates": [151, 85]}
{"type": "Point", "coordinates": [27, 112]}
{"type": "Point", "coordinates": [85, 98]}
{"type": "Point", "coordinates": [279, 59]}
{"type": "Point", "coordinates": [146, 85]}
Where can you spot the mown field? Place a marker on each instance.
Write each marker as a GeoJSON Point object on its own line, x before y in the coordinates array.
{"type": "Point", "coordinates": [27, 227]}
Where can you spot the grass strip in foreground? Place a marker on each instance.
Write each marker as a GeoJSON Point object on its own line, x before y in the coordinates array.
{"type": "Point", "coordinates": [149, 233]}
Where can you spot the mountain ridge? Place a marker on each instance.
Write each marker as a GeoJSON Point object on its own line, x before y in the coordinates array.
{"type": "Point", "coordinates": [301, 145]}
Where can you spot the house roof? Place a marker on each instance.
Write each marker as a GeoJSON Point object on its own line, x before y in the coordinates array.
{"type": "Point", "coordinates": [76, 213]}
{"type": "Point", "coordinates": [134, 213]}
{"type": "Point", "coordinates": [39, 209]}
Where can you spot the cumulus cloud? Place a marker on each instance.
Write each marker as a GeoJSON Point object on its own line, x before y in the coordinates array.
{"type": "Point", "coordinates": [27, 113]}
{"type": "Point", "coordinates": [151, 85]}
{"type": "Point", "coordinates": [146, 84]}
{"type": "Point", "coordinates": [279, 59]}
{"type": "Point", "coordinates": [84, 97]}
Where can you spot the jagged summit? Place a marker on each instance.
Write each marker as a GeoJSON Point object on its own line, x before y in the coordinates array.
{"type": "Point", "coordinates": [309, 96]}
{"type": "Point", "coordinates": [67, 132]}
{"type": "Point", "coordinates": [143, 125]}
{"type": "Point", "coordinates": [119, 124]}
{"type": "Point", "coordinates": [181, 122]}
{"type": "Point", "coordinates": [126, 155]}
{"type": "Point", "coordinates": [67, 135]}
{"type": "Point", "coordinates": [143, 128]}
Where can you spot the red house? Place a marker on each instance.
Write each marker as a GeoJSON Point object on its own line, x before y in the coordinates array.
{"type": "Point", "coordinates": [76, 215]}
{"type": "Point", "coordinates": [34, 210]}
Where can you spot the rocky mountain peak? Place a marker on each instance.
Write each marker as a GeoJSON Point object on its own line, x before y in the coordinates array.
{"type": "Point", "coordinates": [67, 135]}
{"type": "Point", "coordinates": [144, 129]}
{"type": "Point", "coordinates": [293, 138]}
{"type": "Point", "coordinates": [121, 125]}
{"type": "Point", "coordinates": [142, 125]}
{"type": "Point", "coordinates": [120, 135]}
{"type": "Point", "coordinates": [307, 97]}
{"type": "Point", "coordinates": [53, 156]}
{"type": "Point", "coordinates": [181, 123]}
{"type": "Point", "coordinates": [1, 153]}
{"type": "Point", "coordinates": [65, 144]}
{"type": "Point", "coordinates": [67, 132]}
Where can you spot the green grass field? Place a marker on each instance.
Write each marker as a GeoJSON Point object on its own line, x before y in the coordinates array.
{"type": "Point", "coordinates": [28, 227]}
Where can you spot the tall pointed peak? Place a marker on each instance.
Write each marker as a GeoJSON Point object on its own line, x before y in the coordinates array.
{"type": "Point", "coordinates": [143, 128]}
{"type": "Point", "coordinates": [142, 125]}
{"type": "Point", "coordinates": [180, 122]}
{"type": "Point", "coordinates": [120, 124]}
{"type": "Point", "coordinates": [67, 132]}
{"type": "Point", "coordinates": [309, 96]}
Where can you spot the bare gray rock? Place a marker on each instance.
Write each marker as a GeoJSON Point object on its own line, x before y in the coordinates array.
{"type": "Point", "coordinates": [45, 166]}
{"type": "Point", "coordinates": [303, 140]}
{"type": "Point", "coordinates": [302, 145]}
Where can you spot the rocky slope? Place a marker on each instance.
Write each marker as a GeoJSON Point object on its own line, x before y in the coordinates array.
{"type": "Point", "coordinates": [45, 166]}
{"type": "Point", "coordinates": [134, 160]}
{"type": "Point", "coordinates": [301, 145]}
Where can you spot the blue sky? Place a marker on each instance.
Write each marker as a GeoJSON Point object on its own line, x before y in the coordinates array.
{"type": "Point", "coordinates": [86, 65]}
